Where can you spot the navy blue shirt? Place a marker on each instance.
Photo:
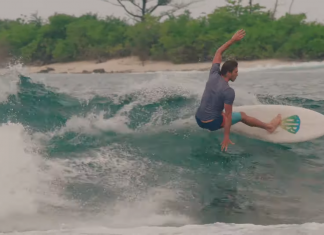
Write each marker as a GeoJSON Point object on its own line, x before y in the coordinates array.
{"type": "Point", "coordinates": [217, 93]}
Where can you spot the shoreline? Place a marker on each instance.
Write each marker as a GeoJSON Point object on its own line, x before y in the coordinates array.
{"type": "Point", "coordinates": [134, 65]}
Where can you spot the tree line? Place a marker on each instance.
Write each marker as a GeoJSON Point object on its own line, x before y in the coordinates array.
{"type": "Point", "coordinates": [179, 39]}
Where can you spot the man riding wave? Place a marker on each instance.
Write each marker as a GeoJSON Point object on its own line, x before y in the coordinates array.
{"type": "Point", "coordinates": [218, 95]}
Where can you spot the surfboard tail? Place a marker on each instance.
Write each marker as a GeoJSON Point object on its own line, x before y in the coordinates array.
{"type": "Point", "coordinates": [291, 124]}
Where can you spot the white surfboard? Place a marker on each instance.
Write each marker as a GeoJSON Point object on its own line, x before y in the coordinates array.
{"type": "Point", "coordinates": [298, 124]}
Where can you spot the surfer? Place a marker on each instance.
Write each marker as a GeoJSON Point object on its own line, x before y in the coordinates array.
{"type": "Point", "coordinates": [219, 95]}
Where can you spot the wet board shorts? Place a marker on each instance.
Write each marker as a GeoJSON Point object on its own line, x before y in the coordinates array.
{"type": "Point", "coordinates": [219, 122]}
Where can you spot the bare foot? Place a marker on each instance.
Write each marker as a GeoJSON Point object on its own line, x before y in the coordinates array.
{"type": "Point", "coordinates": [274, 124]}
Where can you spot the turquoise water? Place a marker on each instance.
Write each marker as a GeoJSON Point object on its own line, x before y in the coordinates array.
{"type": "Point", "coordinates": [121, 154]}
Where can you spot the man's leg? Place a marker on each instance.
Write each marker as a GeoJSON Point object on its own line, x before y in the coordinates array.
{"type": "Point", "coordinates": [253, 122]}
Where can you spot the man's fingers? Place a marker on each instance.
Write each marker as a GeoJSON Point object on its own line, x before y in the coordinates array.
{"type": "Point", "coordinates": [225, 145]}
{"type": "Point", "coordinates": [240, 31]}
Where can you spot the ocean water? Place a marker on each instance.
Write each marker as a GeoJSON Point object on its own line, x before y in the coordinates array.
{"type": "Point", "coordinates": [121, 154]}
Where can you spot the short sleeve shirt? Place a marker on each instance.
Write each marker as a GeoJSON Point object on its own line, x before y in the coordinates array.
{"type": "Point", "coordinates": [217, 93]}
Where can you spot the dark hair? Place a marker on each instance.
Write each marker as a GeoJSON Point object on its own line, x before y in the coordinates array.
{"type": "Point", "coordinates": [228, 66]}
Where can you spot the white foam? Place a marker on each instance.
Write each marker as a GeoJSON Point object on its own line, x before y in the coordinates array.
{"type": "Point", "coordinates": [125, 175]}
{"type": "Point", "coordinates": [9, 80]}
{"type": "Point", "coordinates": [22, 182]}
{"type": "Point", "coordinates": [18, 173]}
{"type": "Point", "coordinates": [27, 180]}
{"type": "Point", "coordinates": [162, 86]}
{"type": "Point", "coordinates": [94, 124]}
{"type": "Point", "coordinates": [210, 229]}
{"type": "Point", "coordinates": [146, 209]}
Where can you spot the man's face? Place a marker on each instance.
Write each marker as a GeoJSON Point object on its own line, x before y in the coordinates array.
{"type": "Point", "coordinates": [234, 74]}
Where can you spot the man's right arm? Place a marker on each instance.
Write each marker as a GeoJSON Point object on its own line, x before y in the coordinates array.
{"type": "Point", "coordinates": [236, 37]}
{"type": "Point", "coordinates": [228, 123]}
{"type": "Point", "coordinates": [228, 106]}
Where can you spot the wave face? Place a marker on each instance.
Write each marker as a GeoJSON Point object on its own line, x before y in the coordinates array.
{"type": "Point", "coordinates": [121, 154]}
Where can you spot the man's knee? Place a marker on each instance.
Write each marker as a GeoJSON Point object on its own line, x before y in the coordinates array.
{"type": "Point", "coordinates": [243, 115]}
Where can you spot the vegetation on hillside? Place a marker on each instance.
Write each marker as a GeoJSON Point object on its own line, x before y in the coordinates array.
{"type": "Point", "coordinates": [180, 39]}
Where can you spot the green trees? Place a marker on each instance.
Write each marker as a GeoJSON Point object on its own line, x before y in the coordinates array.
{"type": "Point", "coordinates": [180, 39]}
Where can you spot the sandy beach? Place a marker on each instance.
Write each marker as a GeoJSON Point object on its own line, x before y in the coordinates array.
{"type": "Point", "coordinates": [134, 65]}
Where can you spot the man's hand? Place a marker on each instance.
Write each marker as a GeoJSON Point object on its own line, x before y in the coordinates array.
{"type": "Point", "coordinates": [225, 143]}
{"type": "Point", "coordinates": [238, 35]}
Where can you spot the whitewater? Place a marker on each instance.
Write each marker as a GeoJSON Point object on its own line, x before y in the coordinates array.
{"type": "Point", "coordinates": [121, 154]}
